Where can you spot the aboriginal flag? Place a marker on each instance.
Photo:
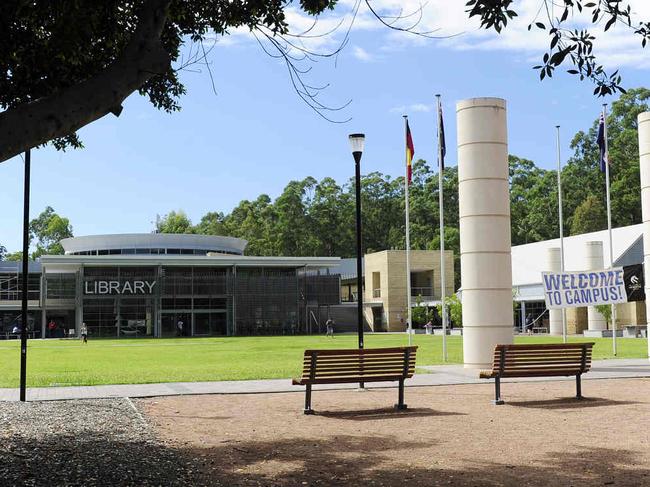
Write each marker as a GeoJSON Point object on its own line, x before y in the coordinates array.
{"type": "Point", "coordinates": [410, 150]}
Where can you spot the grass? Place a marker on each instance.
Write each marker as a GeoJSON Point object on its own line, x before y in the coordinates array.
{"type": "Point", "coordinates": [130, 361]}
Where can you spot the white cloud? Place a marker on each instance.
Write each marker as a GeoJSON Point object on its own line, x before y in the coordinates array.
{"type": "Point", "coordinates": [415, 107]}
{"type": "Point", "coordinates": [618, 47]}
{"type": "Point", "coordinates": [361, 54]}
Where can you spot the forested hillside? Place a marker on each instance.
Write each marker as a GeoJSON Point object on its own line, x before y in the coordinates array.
{"type": "Point", "coordinates": [317, 217]}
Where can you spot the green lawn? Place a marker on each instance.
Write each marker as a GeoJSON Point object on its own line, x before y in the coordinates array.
{"type": "Point", "coordinates": [126, 361]}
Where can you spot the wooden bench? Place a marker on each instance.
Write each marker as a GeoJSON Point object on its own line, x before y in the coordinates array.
{"type": "Point", "coordinates": [357, 365]}
{"type": "Point", "coordinates": [542, 360]}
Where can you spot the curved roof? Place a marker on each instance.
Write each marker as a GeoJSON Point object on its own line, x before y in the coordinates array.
{"type": "Point", "coordinates": [154, 241]}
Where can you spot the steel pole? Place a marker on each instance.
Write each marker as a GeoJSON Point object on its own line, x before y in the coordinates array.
{"type": "Point", "coordinates": [357, 177]}
{"type": "Point", "coordinates": [409, 316]}
{"type": "Point", "coordinates": [25, 282]}
{"type": "Point", "coordinates": [609, 224]}
{"type": "Point", "coordinates": [559, 206]}
{"type": "Point", "coordinates": [442, 238]}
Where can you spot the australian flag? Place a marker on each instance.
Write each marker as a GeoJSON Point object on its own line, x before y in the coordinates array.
{"type": "Point", "coordinates": [441, 139]}
{"type": "Point", "coordinates": [602, 143]}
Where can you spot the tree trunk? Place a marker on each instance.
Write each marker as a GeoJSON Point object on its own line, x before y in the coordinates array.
{"type": "Point", "coordinates": [63, 113]}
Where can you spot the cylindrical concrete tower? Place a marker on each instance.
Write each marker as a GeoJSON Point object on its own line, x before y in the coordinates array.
{"type": "Point", "coordinates": [554, 264]}
{"type": "Point", "coordinates": [484, 208]}
{"type": "Point", "coordinates": [594, 261]}
{"type": "Point", "coordinates": [644, 165]}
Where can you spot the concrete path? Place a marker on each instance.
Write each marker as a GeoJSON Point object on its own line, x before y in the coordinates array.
{"type": "Point", "coordinates": [426, 376]}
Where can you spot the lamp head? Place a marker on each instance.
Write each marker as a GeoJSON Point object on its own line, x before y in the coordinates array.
{"type": "Point", "coordinates": [357, 142]}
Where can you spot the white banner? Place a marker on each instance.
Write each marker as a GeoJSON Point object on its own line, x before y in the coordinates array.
{"type": "Point", "coordinates": [584, 288]}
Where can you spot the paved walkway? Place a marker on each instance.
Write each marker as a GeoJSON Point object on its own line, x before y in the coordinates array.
{"type": "Point", "coordinates": [427, 376]}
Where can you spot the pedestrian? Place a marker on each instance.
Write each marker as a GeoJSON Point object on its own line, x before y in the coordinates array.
{"type": "Point", "coordinates": [329, 325]}
{"type": "Point", "coordinates": [179, 327]}
{"type": "Point", "coordinates": [83, 333]}
{"type": "Point", "coordinates": [51, 327]}
{"type": "Point", "coordinates": [529, 323]}
{"type": "Point", "coordinates": [428, 327]}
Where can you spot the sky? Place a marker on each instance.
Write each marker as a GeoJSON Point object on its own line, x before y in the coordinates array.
{"type": "Point", "coordinates": [250, 133]}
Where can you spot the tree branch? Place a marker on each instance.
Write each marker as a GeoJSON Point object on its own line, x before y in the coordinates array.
{"type": "Point", "coordinates": [63, 113]}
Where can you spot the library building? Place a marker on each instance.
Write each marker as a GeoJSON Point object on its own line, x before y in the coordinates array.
{"type": "Point", "coordinates": [165, 285]}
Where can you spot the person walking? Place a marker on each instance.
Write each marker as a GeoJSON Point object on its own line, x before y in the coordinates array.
{"type": "Point", "coordinates": [83, 333]}
{"type": "Point", "coordinates": [329, 325]}
{"type": "Point", "coordinates": [179, 327]}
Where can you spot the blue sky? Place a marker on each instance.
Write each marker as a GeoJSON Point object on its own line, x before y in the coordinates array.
{"type": "Point", "coordinates": [255, 134]}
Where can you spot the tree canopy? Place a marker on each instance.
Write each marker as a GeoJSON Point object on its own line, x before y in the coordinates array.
{"type": "Point", "coordinates": [68, 63]}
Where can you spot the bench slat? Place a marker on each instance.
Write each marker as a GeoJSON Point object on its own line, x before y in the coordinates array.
{"type": "Point", "coordinates": [360, 352]}
{"type": "Point", "coordinates": [396, 367]}
{"type": "Point", "coordinates": [354, 365]}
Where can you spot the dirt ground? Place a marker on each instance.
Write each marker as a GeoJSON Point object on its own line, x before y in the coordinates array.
{"type": "Point", "coordinates": [450, 435]}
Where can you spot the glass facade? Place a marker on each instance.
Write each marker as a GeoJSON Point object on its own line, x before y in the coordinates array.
{"type": "Point", "coordinates": [152, 300]}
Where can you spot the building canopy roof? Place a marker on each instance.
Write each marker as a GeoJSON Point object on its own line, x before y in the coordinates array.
{"type": "Point", "coordinates": [529, 261]}
{"type": "Point", "coordinates": [211, 243]}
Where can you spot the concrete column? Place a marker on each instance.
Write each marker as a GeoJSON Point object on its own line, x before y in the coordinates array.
{"type": "Point", "coordinates": [484, 210]}
{"type": "Point", "coordinates": [593, 261]}
{"type": "Point", "coordinates": [554, 264]}
{"type": "Point", "coordinates": [644, 165]}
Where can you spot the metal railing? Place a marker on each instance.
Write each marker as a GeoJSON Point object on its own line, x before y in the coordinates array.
{"type": "Point", "coordinates": [422, 291]}
{"type": "Point", "coordinates": [376, 293]}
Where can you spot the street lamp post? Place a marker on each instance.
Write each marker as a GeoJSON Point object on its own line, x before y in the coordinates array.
{"type": "Point", "coordinates": [25, 281]}
{"type": "Point", "coordinates": [356, 144]}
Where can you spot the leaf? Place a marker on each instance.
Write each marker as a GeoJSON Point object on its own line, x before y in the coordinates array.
{"type": "Point", "coordinates": [540, 25]}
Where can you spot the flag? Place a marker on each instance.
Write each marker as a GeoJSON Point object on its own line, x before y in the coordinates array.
{"type": "Point", "coordinates": [602, 143]}
{"type": "Point", "coordinates": [410, 150]}
{"type": "Point", "coordinates": [441, 138]}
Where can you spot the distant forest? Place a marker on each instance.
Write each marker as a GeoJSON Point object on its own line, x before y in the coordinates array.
{"type": "Point", "coordinates": [316, 218]}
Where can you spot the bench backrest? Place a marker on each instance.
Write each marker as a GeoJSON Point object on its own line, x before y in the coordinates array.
{"type": "Point", "coordinates": [373, 364]}
{"type": "Point", "coordinates": [542, 359]}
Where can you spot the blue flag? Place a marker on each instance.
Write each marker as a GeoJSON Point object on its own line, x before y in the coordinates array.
{"type": "Point", "coordinates": [602, 144]}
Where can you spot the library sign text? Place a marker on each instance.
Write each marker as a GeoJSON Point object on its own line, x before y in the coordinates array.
{"type": "Point", "coordinates": [118, 287]}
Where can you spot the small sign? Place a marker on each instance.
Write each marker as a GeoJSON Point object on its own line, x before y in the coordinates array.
{"type": "Point", "coordinates": [584, 288]}
{"type": "Point", "coordinates": [118, 287]}
{"type": "Point", "coordinates": [634, 282]}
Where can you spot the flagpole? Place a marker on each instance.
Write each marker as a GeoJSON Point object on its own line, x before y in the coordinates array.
{"type": "Point", "coordinates": [609, 221]}
{"type": "Point", "coordinates": [408, 239]}
{"type": "Point", "coordinates": [559, 206]}
{"type": "Point", "coordinates": [442, 242]}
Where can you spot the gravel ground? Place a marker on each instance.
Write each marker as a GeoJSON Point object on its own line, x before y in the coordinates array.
{"type": "Point", "coordinates": [86, 442]}
{"type": "Point", "coordinates": [449, 436]}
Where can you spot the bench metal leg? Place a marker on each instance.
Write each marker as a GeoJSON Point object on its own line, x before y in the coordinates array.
{"type": "Point", "coordinates": [400, 397]}
{"type": "Point", "coordinates": [578, 387]}
{"type": "Point", "coordinates": [308, 409]}
{"type": "Point", "coordinates": [497, 391]}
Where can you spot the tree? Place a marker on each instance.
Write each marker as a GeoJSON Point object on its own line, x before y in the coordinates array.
{"type": "Point", "coordinates": [3, 252]}
{"type": "Point", "coordinates": [212, 223]}
{"type": "Point", "coordinates": [582, 176]}
{"type": "Point", "coordinates": [66, 64]}
{"type": "Point", "coordinates": [420, 313]}
{"type": "Point", "coordinates": [48, 229]}
{"type": "Point", "coordinates": [255, 222]}
{"type": "Point", "coordinates": [332, 219]}
{"type": "Point", "coordinates": [590, 216]}
{"type": "Point", "coordinates": [293, 225]}
{"type": "Point", "coordinates": [14, 256]}
{"type": "Point", "coordinates": [174, 222]}
{"type": "Point", "coordinates": [606, 311]}
{"type": "Point", "coordinates": [455, 309]}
